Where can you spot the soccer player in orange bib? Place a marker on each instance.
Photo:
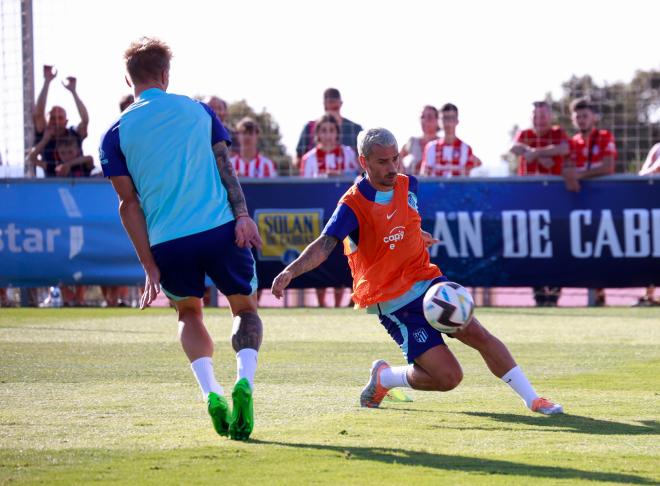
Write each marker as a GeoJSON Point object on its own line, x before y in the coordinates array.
{"type": "Point", "coordinates": [378, 221]}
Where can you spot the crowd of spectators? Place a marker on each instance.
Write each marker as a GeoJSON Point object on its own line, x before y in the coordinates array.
{"type": "Point", "coordinates": [327, 147]}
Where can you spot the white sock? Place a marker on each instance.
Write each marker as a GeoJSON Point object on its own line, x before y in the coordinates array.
{"type": "Point", "coordinates": [203, 371]}
{"type": "Point", "coordinates": [246, 365]}
{"type": "Point", "coordinates": [517, 380]}
{"type": "Point", "coordinates": [395, 377]}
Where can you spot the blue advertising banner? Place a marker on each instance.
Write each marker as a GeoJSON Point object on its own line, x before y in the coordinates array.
{"type": "Point", "coordinates": [491, 232]}
{"type": "Point", "coordinates": [518, 232]}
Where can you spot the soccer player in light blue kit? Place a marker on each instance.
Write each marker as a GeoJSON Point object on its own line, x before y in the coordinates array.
{"type": "Point", "coordinates": [184, 211]}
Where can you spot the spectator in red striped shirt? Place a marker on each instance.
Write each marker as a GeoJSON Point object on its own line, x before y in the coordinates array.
{"type": "Point", "coordinates": [593, 151]}
{"type": "Point", "coordinates": [249, 162]}
{"type": "Point", "coordinates": [448, 156]}
{"type": "Point", "coordinates": [543, 147]}
{"type": "Point", "coordinates": [329, 157]}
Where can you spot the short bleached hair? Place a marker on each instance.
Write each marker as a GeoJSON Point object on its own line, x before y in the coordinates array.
{"type": "Point", "coordinates": [366, 139]}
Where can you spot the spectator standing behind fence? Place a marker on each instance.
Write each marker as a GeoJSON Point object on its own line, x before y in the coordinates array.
{"type": "Point", "coordinates": [249, 162]}
{"type": "Point", "coordinates": [593, 151]}
{"type": "Point", "coordinates": [71, 162]}
{"type": "Point", "coordinates": [412, 153]}
{"type": "Point", "coordinates": [651, 166]}
{"type": "Point", "coordinates": [448, 156]}
{"type": "Point", "coordinates": [348, 130]}
{"type": "Point", "coordinates": [593, 154]}
{"type": "Point", "coordinates": [543, 147]}
{"type": "Point", "coordinates": [541, 151]}
{"type": "Point", "coordinates": [57, 121]}
{"type": "Point", "coordinates": [328, 158]}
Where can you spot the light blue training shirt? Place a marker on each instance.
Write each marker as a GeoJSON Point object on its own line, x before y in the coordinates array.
{"type": "Point", "coordinates": [164, 143]}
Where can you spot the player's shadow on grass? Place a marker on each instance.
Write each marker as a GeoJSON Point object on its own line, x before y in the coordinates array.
{"type": "Point", "coordinates": [478, 465]}
{"type": "Point", "coordinates": [574, 423]}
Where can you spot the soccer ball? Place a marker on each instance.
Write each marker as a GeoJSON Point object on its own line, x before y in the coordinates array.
{"type": "Point", "coordinates": [448, 306]}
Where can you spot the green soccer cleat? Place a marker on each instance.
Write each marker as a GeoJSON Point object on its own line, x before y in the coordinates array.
{"type": "Point", "coordinates": [219, 411]}
{"type": "Point", "coordinates": [242, 417]}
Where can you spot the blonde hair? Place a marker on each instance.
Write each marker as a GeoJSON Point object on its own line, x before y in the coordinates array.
{"type": "Point", "coordinates": [146, 58]}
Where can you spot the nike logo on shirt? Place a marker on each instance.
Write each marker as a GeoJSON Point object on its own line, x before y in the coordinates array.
{"type": "Point", "coordinates": [389, 216]}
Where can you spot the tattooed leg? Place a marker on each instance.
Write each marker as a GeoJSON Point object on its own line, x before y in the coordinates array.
{"type": "Point", "coordinates": [247, 331]}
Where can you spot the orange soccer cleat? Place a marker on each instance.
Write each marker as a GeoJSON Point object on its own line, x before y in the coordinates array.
{"type": "Point", "coordinates": [546, 407]}
{"type": "Point", "coordinates": [374, 392]}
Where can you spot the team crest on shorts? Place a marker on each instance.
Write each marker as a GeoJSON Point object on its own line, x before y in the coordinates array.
{"type": "Point", "coordinates": [420, 335]}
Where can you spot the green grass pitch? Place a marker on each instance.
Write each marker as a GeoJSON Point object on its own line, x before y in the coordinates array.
{"type": "Point", "coordinates": [107, 396]}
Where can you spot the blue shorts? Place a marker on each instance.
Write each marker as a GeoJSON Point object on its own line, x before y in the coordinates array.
{"type": "Point", "coordinates": [409, 328]}
{"type": "Point", "coordinates": [184, 262]}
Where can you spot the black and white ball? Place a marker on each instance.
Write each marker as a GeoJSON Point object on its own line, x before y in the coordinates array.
{"type": "Point", "coordinates": [448, 306]}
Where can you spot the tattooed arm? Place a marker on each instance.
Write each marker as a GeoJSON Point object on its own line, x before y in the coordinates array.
{"type": "Point", "coordinates": [247, 233]}
{"type": "Point", "coordinates": [315, 254]}
{"type": "Point", "coordinates": [230, 180]}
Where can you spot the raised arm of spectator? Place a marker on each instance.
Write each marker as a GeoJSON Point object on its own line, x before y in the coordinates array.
{"type": "Point", "coordinates": [70, 84]}
{"type": "Point", "coordinates": [33, 157]}
{"type": "Point", "coordinates": [39, 113]}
